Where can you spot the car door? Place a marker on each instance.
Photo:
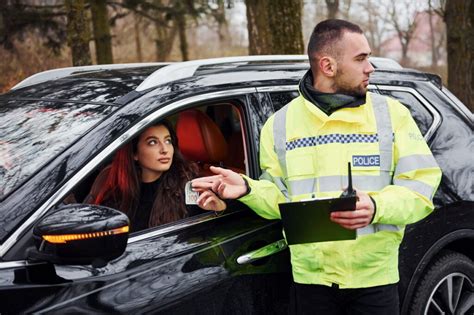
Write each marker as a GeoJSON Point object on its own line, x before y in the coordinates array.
{"type": "Point", "coordinates": [189, 265]}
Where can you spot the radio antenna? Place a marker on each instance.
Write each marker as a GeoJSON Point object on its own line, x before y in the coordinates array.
{"type": "Point", "coordinates": [350, 190]}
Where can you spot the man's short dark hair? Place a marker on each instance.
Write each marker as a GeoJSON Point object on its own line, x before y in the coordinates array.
{"type": "Point", "coordinates": [326, 34]}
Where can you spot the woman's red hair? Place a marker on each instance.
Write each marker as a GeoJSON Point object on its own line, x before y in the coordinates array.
{"type": "Point", "coordinates": [121, 188]}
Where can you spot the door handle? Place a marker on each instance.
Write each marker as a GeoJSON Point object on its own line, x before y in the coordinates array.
{"type": "Point", "coordinates": [265, 251]}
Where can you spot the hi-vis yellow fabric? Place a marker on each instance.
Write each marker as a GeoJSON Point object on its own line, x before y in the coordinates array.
{"type": "Point", "coordinates": [304, 152]}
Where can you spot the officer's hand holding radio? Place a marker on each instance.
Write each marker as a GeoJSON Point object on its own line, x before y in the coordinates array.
{"type": "Point", "coordinates": [360, 217]}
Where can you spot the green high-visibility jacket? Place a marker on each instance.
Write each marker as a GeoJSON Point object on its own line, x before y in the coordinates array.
{"type": "Point", "coordinates": [304, 152]}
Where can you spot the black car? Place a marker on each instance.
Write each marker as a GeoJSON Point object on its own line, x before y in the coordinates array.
{"type": "Point", "coordinates": [60, 128]}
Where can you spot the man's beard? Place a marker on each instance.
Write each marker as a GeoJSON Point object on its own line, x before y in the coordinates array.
{"type": "Point", "coordinates": [352, 91]}
{"type": "Point", "coordinates": [342, 87]}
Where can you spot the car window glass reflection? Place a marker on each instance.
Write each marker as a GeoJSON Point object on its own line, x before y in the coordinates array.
{"type": "Point", "coordinates": [280, 99]}
{"type": "Point", "coordinates": [31, 127]}
{"type": "Point", "coordinates": [420, 114]}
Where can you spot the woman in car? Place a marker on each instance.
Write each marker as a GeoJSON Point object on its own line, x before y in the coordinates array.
{"type": "Point", "coordinates": [146, 181]}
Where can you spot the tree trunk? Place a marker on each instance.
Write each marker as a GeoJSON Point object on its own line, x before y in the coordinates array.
{"type": "Point", "coordinates": [164, 40]}
{"type": "Point", "coordinates": [404, 43]}
{"type": "Point", "coordinates": [102, 38]}
{"type": "Point", "coordinates": [333, 7]}
{"type": "Point", "coordinates": [274, 27]}
{"type": "Point", "coordinates": [166, 30]}
{"type": "Point", "coordinates": [346, 7]}
{"type": "Point", "coordinates": [220, 17]}
{"type": "Point", "coordinates": [258, 26]}
{"type": "Point", "coordinates": [404, 32]}
{"type": "Point", "coordinates": [434, 51]}
{"type": "Point", "coordinates": [459, 18]}
{"type": "Point", "coordinates": [78, 33]}
{"type": "Point", "coordinates": [372, 29]}
{"type": "Point", "coordinates": [138, 44]}
{"type": "Point", "coordinates": [285, 25]}
{"type": "Point", "coordinates": [183, 41]}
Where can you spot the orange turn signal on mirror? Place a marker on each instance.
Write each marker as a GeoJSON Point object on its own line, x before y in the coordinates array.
{"type": "Point", "coordinates": [57, 239]}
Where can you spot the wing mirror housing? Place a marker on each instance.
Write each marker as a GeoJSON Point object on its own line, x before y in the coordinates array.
{"type": "Point", "coordinates": [80, 234]}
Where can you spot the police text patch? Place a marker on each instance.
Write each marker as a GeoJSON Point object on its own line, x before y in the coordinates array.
{"type": "Point", "coordinates": [366, 160]}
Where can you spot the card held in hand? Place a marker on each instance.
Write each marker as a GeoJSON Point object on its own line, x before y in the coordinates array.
{"type": "Point", "coordinates": [191, 195]}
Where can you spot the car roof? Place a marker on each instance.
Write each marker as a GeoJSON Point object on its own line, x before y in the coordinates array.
{"type": "Point", "coordinates": [105, 84]}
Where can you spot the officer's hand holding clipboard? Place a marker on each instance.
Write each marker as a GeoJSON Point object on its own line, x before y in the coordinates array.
{"type": "Point", "coordinates": [323, 220]}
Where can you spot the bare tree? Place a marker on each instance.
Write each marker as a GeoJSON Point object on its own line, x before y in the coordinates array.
{"type": "Point", "coordinates": [402, 16]}
{"type": "Point", "coordinates": [219, 16]}
{"type": "Point", "coordinates": [166, 30]}
{"type": "Point", "coordinates": [18, 18]}
{"type": "Point", "coordinates": [333, 8]}
{"type": "Point", "coordinates": [459, 18]}
{"type": "Point", "coordinates": [101, 28]}
{"type": "Point", "coordinates": [78, 32]}
{"type": "Point", "coordinates": [374, 27]}
{"type": "Point", "coordinates": [434, 52]}
{"type": "Point", "coordinates": [180, 19]}
{"type": "Point", "coordinates": [138, 44]}
{"type": "Point", "coordinates": [345, 9]}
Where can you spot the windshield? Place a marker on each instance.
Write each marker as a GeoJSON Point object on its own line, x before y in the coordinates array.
{"type": "Point", "coordinates": [34, 132]}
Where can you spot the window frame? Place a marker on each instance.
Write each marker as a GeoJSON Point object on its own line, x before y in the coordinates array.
{"type": "Point", "coordinates": [424, 102]}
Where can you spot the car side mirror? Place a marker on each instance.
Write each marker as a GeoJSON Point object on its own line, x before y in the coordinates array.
{"type": "Point", "coordinates": [80, 234]}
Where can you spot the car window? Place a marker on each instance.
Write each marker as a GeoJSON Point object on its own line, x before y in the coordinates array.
{"type": "Point", "coordinates": [30, 127]}
{"type": "Point", "coordinates": [208, 135]}
{"type": "Point", "coordinates": [280, 99]}
{"type": "Point", "coordinates": [420, 113]}
{"type": "Point", "coordinates": [220, 143]}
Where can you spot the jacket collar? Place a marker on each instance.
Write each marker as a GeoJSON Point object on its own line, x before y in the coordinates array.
{"type": "Point", "coordinates": [362, 114]}
{"type": "Point", "coordinates": [328, 103]}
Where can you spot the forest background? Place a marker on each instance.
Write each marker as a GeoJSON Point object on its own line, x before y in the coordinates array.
{"type": "Point", "coordinates": [436, 36]}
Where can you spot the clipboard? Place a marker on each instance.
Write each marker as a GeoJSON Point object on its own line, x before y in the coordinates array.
{"type": "Point", "coordinates": [308, 221]}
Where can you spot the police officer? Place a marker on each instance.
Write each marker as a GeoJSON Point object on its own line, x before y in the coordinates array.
{"type": "Point", "coordinates": [304, 150]}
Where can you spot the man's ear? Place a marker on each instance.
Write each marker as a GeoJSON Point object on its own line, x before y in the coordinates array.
{"type": "Point", "coordinates": [328, 66]}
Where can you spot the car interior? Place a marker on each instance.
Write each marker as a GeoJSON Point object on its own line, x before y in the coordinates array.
{"type": "Point", "coordinates": [203, 141]}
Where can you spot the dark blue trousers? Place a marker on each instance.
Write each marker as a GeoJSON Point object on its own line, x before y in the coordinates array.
{"type": "Point", "coordinates": [321, 300]}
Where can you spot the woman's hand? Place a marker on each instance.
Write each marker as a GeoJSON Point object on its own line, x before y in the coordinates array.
{"type": "Point", "coordinates": [209, 201]}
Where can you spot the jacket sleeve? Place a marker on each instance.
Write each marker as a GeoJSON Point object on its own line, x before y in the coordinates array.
{"type": "Point", "coordinates": [265, 194]}
{"type": "Point", "coordinates": [416, 174]}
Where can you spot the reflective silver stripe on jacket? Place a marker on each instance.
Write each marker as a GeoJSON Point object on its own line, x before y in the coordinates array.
{"type": "Point", "coordinates": [415, 185]}
{"type": "Point", "coordinates": [337, 183]}
{"type": "Point", "coordinates": [333, 183]}
{"type": "Point", "coordinates": [279, 137]}
{"type": "Point", "coordinates": [373, 228]}
{"type": "Point", "coordinates": [414, 162]}
{"type": "Point", "coordinates": [386, 139]}
{"type": "Point", "coordinates": [384, 130]}
{"type": "Point", "coordinates": [278, 181]}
